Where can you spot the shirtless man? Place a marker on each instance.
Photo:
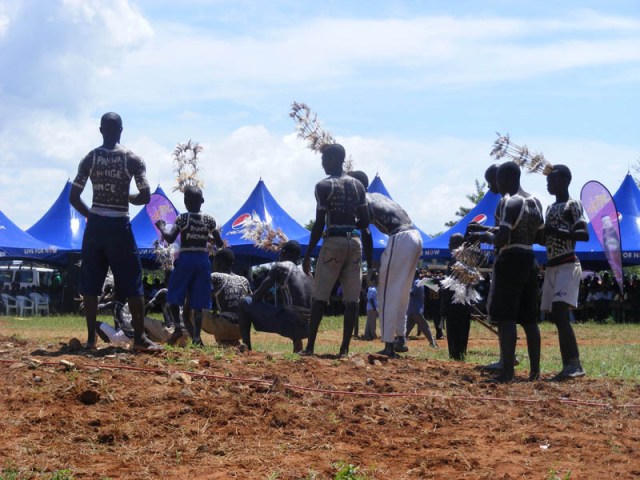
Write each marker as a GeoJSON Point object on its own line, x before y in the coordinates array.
{"type": "Point", "coordinates": [397, 265]}
{"type": "Point", "coordinates": [514, 295]}
{"type": "Point", "coordinates": [564, 225]}
{"type": "Point", "coordinates": [108, 239]}
{"type": "Point", "coordinates": [341, 206]}
{"type": "Point", "coordinates": [291, 319]}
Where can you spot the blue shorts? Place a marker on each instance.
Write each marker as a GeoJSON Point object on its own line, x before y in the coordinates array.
{"type": "Point", "coordinates": [283, 321]}
{"type": "Point", "coordinates": [109, 242]}
{"type": "Point", "coordinates": [191, 275]}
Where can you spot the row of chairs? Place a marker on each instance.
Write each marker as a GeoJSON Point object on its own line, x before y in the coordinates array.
{"type": "Point", "coordinates": [21, 305]}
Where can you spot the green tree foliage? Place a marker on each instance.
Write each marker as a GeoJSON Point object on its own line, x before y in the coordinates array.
{"type": "Point", "coordinates": [309, 225]}
{"type": "Point", "coordinates": [474, 198]}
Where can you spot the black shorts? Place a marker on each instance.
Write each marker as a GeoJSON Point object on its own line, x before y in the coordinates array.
{"type": "Point", "coordinates": [515, 290]}
{"type": "Point", "coordinates": [267, 318]}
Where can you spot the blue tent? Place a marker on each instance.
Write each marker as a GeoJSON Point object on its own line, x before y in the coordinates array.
{"type": "Point", "coordinates": [262, 204]}
{"type": "Point", "coordinates": [380, 239]}
{"type": "Point", "coordinates": [627, 199]}
{"type": "Point", "coordinates": [482, 213]}
{"type": "Point", "coordinates": [16, 244]}
{"type": "Point", "coordinates": [145, 232]}
{"type": "Point", "coordinates": [62, 224]}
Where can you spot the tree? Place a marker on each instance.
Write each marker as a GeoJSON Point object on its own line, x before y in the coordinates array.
{"type": "Point", "coordinates": [474, 198]}
{"type": "Point", "coordinates": [309, 225]}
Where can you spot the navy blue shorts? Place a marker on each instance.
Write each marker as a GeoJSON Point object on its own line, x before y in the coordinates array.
{"type": "Point", "coordinates": [109, 242]}
{"type": "Point", "coordinates": [191, 275]}
{"type": "Point", "coordinates": [267, 318]}
{"type": "Point", "coordinates": [515, 289]}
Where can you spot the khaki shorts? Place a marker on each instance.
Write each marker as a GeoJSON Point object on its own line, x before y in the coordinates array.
{"type": "Point", "coordinates": [340, 259]}
{"type": "Point", "coordinates": [561, 284]}
{"type": "Point", "coordinates": [220, 327]}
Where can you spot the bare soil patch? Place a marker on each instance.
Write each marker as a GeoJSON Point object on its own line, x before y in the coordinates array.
{"type": "Point", "coordinates": [115, 414]}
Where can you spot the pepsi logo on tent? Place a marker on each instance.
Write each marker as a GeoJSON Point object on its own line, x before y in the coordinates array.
{"type": "Point", "coordinates": [480, 218]}
{"type": "Point", "coordinates": [619, 217]}
{"type": "Point", "coordinates": [239, 222]}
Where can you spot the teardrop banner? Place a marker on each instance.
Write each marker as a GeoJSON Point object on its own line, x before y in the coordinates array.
{"type": "Point", "coordinates": [603, 215]}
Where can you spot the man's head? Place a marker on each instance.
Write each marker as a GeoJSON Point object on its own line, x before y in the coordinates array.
{"type": "Point", "coordinates": [111, 127]}
{"type": "Point", "coordinates": [508, 178]}
{"type": "Point", "coordinates": [223, 261]}
{"type": "Point", "coordinates": [559, 179]}
{"type": "Point", "coordinates": [455, 240]}
{"type": "Point", "coordinates": [193, 198]}
{"type": "Point", "coordinates": [333, 156]}
{"type": "Point", "coordinates": [290, 250]}
{"type": "Point", "coordinates": [490, 176]}
{"type": "Point", "coordinates": [361, 177]}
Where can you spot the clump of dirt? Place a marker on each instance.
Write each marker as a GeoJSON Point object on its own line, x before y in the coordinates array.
{"type": "Point", "coordinates": [121, 415]}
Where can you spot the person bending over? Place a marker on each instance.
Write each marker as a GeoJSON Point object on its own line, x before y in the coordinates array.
{"type": "Point", "coordinates": [397, 265]}
{"type": "Point", "coordinates": [290, 320]}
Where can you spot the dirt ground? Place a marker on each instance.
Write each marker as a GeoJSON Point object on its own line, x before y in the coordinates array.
{"type": "Point", "coordinates": [115, 414]}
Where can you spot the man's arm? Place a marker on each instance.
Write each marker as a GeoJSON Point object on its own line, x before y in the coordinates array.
{"type": "Point", "coordinates": [169, 235]}
{"type": "Point", "coordinates": [264, 288]}
{"type": "Point", "coordinates": [77, 202]}
{"type": "Point", "coordinates": [137, 166]}
{"type": "Point", "coordinates": [316, 234]}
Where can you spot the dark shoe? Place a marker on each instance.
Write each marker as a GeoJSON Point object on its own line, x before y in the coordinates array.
{"type": "Point", "coordinates": [400, 345]}
{"type": "Point", "coordinates": [389, 351]}
{"type": "Point", "coordinates": [570, 372]}
{"type": "Point", "coordinates": [502, 378]}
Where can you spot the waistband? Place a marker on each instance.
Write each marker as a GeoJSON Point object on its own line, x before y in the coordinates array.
{"type": "Point", "coordinates": [569, 257]}
{"type": "Point", "coordinates": [341, 232]}
{"type": "Point", "coordinates": [519, 246]}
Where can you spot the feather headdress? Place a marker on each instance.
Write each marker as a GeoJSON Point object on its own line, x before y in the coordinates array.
{"type": "Point", "coordinates": [164, 255]}
{"type": "Point", "coordinates": [185, 160]}
{"type": "Point", "coordinates": [533, 162]}
{"type": "Point", "coordinates": [310, 130]}
{"type": "Point", "coordinates": [465, 273]}
{"type": "Point", "coordinates": [262, 235]}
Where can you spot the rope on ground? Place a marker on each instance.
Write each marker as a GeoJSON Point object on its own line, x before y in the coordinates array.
{"type": "Point", "coordinates": [259, 381]}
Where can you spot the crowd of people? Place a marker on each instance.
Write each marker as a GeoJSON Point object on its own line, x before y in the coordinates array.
{"type": "Point", "coordinates": [291, 299]}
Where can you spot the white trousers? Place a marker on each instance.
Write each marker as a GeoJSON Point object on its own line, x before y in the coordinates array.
{"type": "Point", "coordinates": [397, 269]}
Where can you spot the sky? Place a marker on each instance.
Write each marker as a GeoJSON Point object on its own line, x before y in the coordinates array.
{"type": "Point", "coordinates": [415, 90]}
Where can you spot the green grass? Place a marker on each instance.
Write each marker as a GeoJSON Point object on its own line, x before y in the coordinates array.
{"type": "Point", "coordinates": [607, 350]}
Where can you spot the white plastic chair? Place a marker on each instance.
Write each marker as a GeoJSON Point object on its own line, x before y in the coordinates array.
{"type": "Point", "coordinates": [24, 305]}
{"type": "Point", "coordinates": [10, 303]}
{"type": "Point", "coordinates": [40, 302]}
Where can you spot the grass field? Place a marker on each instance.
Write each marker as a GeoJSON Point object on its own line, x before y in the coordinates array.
{"type": "Point", "coordinates": [607, 350]}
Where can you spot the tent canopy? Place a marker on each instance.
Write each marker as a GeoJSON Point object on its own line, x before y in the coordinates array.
{"type": "Point", "coordinates": [261, 204]}
{"type": "Point", "coordinates": [16, 244]}
{"type": "Point", "coordinates": [482, 213]}
{"type": "Point", "coordinates": [62, 225]}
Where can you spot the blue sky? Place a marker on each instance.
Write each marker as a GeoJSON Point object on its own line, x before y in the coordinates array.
{"type": "Point", "coordinates": [415, 90]}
